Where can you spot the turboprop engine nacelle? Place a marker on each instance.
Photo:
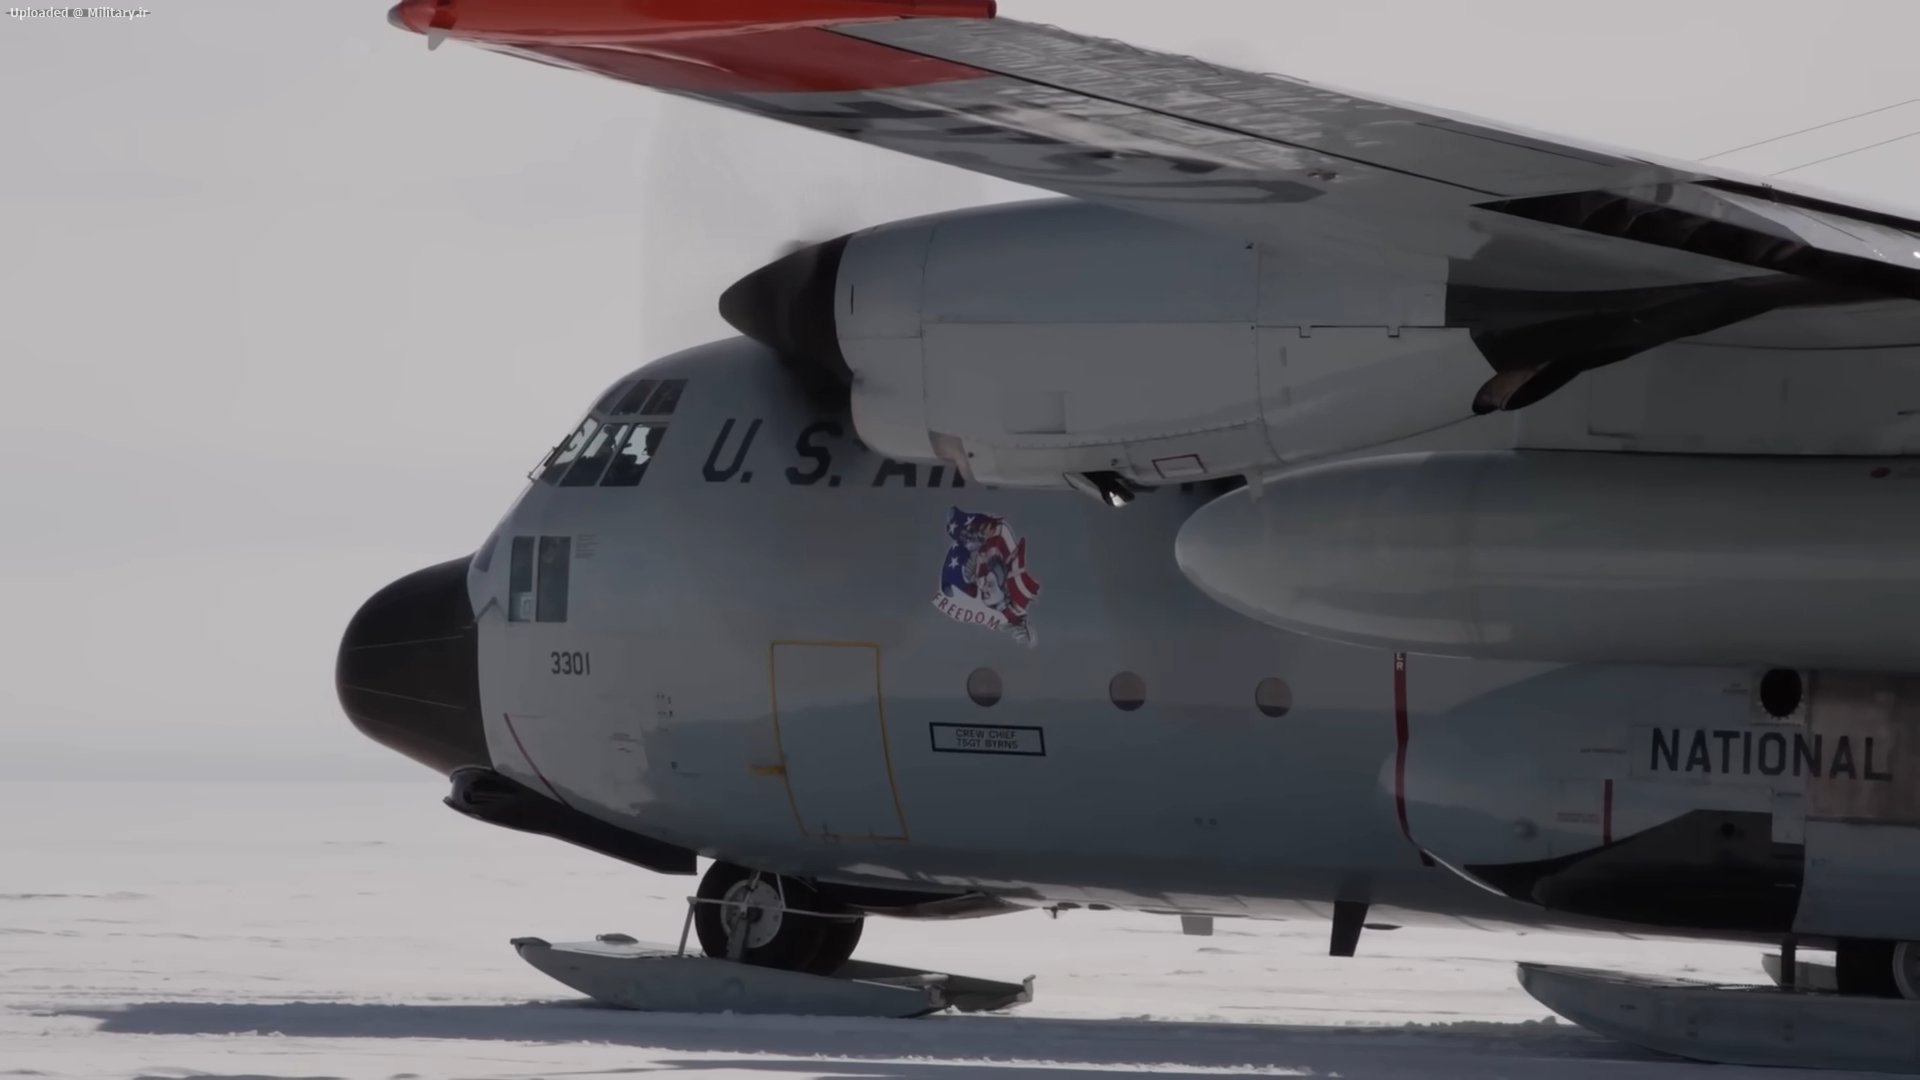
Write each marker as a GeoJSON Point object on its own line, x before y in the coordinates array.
{"type": "Point", "coordinates": [1041, 342]}
{"type": "Point", "coordinates": [1572, 557]}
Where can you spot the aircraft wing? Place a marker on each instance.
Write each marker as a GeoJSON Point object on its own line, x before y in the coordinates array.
{"type": "Point", "coordinates": [1674, 250]}
{"type": "Point", "coordinates": [1256, 155]}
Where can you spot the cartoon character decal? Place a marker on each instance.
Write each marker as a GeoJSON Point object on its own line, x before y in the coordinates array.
{"type": "Point", "coordinates": [985, 580]}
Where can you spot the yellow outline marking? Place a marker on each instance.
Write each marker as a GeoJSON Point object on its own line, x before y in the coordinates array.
{"type": "Point", "coordinates": [886, 743]}
{"type": "Point", "coordinates": [779, 746]}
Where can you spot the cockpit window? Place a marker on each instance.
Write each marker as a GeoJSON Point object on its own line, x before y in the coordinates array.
{"type": "Point", "coordinates": [537, 584]}
{"type": "Point", "coordinates": [635, 399]}
{"type": "Point", "coordinates": [556, 554]}
{"type": "Point", "coordinates": [568, 451]}
{"type": "Point", "coordinates": [665, 399]}
{"type": "Point", "coordinates": [609, 448]}
{"type": "Point", "coordinates": [586, 470]}
{"type": "Point", "coordinates": [630, 464]}
{"type": "Point", "coordinates": [520, 606]}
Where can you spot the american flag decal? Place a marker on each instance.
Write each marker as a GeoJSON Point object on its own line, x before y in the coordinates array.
{"type": "Point", "coordinates": [985, 580]}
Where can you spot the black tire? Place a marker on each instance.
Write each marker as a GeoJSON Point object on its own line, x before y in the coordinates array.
{"type": "Point", "coordinates": [1906, 969]}
{"type": "Point", "coordinates": [1865, 968]}
{"type": "Point", "coordinates": [792, 946]}
{"type": "Point", "coordinates": [838, 939]}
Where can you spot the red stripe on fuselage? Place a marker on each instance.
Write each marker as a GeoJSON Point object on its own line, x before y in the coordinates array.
{"type": "Point", "coordinates": [1400, 752]}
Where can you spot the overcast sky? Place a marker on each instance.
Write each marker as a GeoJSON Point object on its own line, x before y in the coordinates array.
{"type": "Point", "coordinates": [288, 305]}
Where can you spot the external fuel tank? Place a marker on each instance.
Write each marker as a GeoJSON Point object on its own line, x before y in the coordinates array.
{"type": "Point", "coordinates": [1580, 557]}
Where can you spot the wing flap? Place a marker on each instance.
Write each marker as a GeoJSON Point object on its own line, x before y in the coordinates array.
{"type": "Point", "coordinates": [1757, 228]}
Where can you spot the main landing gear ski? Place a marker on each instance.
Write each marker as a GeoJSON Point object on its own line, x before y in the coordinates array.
{"type": "Point", "coordinates": [1860, 1012]}
{"type": "Point", "coordinates": [772, 945]}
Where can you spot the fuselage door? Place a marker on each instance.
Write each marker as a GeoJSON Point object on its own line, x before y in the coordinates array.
{"type": "Point", "coordinates": [830, 720]}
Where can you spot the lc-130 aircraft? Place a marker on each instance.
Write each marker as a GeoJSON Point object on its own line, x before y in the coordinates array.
{"type": "Point", "coordinates": [1332, 501]}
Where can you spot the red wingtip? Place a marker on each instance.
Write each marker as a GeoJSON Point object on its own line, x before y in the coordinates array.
{"type": "Point", "coordinates": [412, 15]}
{"type": "Point", "coordinates": [954, 9]}
{"type": "Point", "coordinates": [589, 21]}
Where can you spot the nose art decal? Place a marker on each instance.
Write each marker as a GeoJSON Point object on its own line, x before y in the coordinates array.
{"type": "Point", "coordinates": [985, 580]}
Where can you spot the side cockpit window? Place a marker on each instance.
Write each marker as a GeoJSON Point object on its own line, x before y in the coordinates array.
{"type": "Point", "coordinates": [556, 559]}
{"type": "Point", "coordinates": [538, 578]}
{"type": "Point", "coordinates": [619, 438]}
{"type": "Point", "coordinates": [520, 599]}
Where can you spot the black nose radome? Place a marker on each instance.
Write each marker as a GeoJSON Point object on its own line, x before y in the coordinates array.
{"type": "Point", "coordinates": [788, 306]}
{"type": "Point", "coordinates": [408, 673]}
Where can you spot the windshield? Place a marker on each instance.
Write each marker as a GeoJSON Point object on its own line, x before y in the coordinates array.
{"type": "Point", "coordinates": [613, 446]}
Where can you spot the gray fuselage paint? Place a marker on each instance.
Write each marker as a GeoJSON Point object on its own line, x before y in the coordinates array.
{"type": "Point", "coordinates": [760, 662]}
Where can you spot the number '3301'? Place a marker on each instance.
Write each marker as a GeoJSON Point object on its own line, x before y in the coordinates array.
{"type": "Point", "coordinates": [571, 663]}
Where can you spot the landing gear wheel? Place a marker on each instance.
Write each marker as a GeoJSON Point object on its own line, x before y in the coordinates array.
{"type": "Point", "coordinates": [1866, 968]}
{"type": "Point", "coordinates": [1906, 969]}
{"type": "Point", "coordinates": [838, 939]}
{"type": "Point", "coordinates": [751, 908]}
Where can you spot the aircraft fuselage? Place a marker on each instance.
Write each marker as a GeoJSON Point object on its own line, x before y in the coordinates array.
{"type": "Point", "coordinates": [717, 621]}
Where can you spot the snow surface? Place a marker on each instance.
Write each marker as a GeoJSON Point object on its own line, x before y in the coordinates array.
{"type": "Point", "coordinates": [304, 930]}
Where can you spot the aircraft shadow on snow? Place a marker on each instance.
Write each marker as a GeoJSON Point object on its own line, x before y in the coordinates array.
{"type": "Point", "coordinates": [864, 1045]}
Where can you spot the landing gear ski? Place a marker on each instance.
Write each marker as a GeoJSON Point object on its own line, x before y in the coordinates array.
{"type": "Point", "coordinates": [772, 944]}
{"type": "Point", "coordinates": [1860, 1012]}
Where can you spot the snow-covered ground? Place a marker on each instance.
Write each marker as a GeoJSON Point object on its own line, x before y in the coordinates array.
{"type": "Point", "coordinates": [360, 930]}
